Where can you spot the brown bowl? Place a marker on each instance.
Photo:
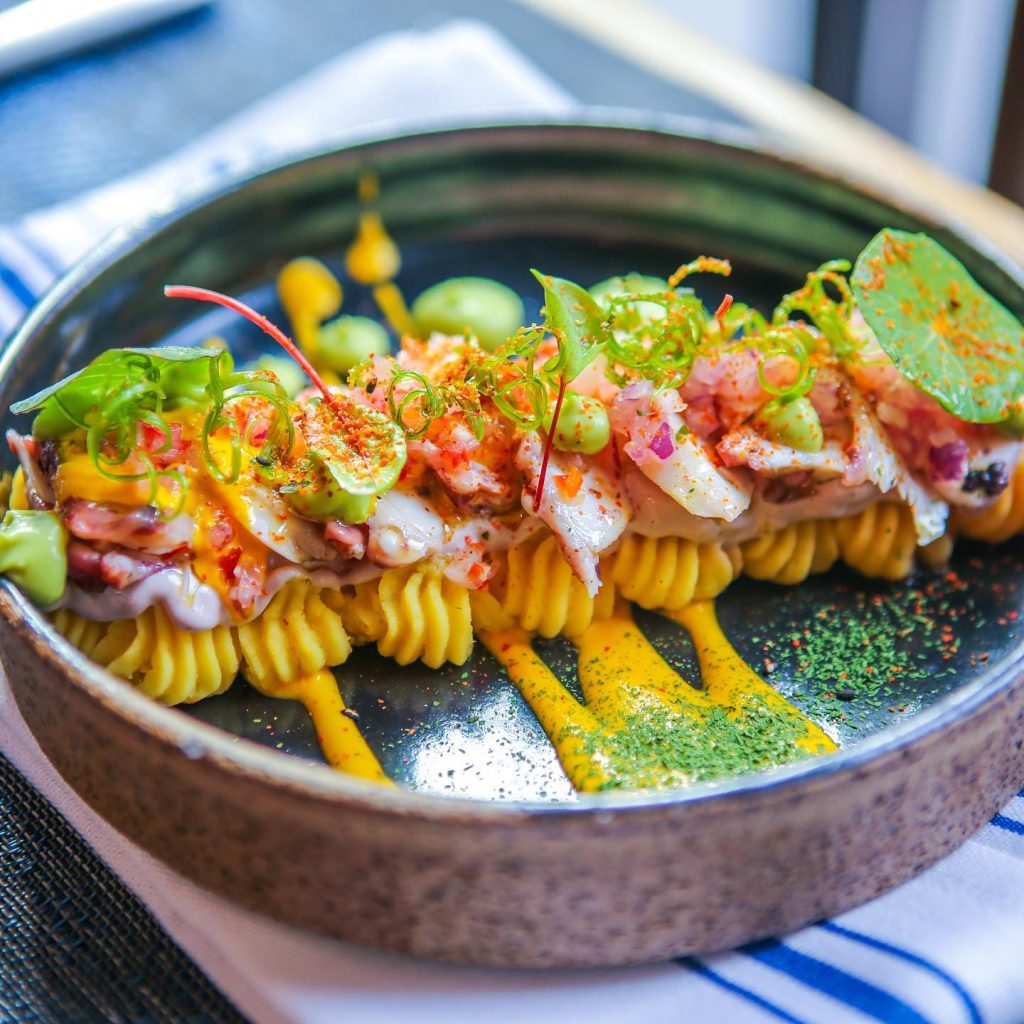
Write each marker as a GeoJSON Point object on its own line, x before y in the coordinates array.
{"type": "Point", "coordinates": [606, 879]}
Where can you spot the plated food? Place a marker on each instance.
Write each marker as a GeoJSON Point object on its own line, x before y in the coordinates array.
{"type": "Point", "coordinates": [519, 871]}
{"type": "Point", "coordinates": [184, 520]}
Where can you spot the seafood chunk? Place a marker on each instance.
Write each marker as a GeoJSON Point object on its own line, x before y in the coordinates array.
{"type": "Point", "coordinates": [678, 461]}
{"type": "Point", "coordinates": [585, 522]}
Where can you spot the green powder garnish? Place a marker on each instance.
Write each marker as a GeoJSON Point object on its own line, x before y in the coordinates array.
{"type": "Point", "coordinates": [658, 749]}
{"type": "Point", "coordinates": [851, 659]}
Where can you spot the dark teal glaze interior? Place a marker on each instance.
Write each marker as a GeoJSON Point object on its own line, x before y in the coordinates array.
{"type": "Point", "coordinates": [583, 202]}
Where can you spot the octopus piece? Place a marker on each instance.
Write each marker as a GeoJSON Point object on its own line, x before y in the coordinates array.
{"type": "Point", "coordinates": [587, 517]}
{"type": "Point", "coordinates": [403, 529]}
{"type": "Point", "coordinates": [38, 489]}
{"type": "Point", "coordinates": [681, 463]}
{"type": "Point", "coordinates": [141, 529]}
{"type": "Point", "coordinates": [744, 446]}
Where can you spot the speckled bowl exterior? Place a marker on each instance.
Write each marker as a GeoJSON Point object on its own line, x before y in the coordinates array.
{"type": "Point", "coordinates": [609, 879]}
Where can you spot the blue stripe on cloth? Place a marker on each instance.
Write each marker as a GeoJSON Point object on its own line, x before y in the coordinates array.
{"type": "Point", "coordinates": [1010, 824]}
{"type": "Point", "coordinates": [39, 250]}
{"type": "Point", "coordinates": [973, 1013]}
{"type": "Point", "coordinates": [869, 999]}
{"type": "Point", "coordinates": [16, 286]}
{"type": "Point", "coordinates": [730, 986]}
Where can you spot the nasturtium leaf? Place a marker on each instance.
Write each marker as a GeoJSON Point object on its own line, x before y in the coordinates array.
{"type": "Point", "coordinates": [178, 373]}
{"type": "Point", "coordinates": [576, 319]}
{"type": "Point", "coordinates": [943, 332]}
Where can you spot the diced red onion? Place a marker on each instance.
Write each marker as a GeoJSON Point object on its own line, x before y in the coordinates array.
{"type": "Point", "coordinates": [662, 444]}
{"type": "Point", "coordinates": [638, 389]}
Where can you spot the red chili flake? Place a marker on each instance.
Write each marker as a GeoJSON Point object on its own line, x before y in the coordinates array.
{"type": "Point", "coordinates": [228, 562]}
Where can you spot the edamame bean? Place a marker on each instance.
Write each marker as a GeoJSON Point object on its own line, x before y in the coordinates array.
{"type": "Point", "coordinates": [793, 423]}
{"type": "Point", "coordinates": [583, 424]}
{"type": "Point", "coordinates": [348, 340]}
{"type": "Point", "coordinates": [486, 309]}
{"type": "Point", "coordinates": [292, 379]}
{"type": "Point", "coordinates": [33, 553]}
{"type": "Point", "coordinates": [633, 284]}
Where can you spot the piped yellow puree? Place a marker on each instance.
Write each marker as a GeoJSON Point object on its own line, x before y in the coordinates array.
{"type": "Point", "coordinates": [340, 739]}
{"type": "Point", "coordinates": [632, 696]}
{"type": "Point", "coordinates": [729, 681]}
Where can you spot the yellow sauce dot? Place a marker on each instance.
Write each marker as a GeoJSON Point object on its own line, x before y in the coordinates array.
{"type": "Point", "coordinates": [310, 294]}
{"type": "Point", "coordinates": [373, 257]}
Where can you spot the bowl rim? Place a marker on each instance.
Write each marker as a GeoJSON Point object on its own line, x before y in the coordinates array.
{"type": "Point", "coordinates": [197, 739]}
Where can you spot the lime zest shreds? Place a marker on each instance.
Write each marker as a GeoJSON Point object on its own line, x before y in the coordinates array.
{"type": "Point", "coordinates": [661, 351]}
{"type": "Point", "coordinates": [428, 401]}
{"type": "Point", "coordinates": [829, 314]}
{"type": "Point", "coordinates": [700, 265]}
{"type": "Point", "coordinates": [259, 384]}
{"type": "Point", "coordinates": [794, 341]}
{"type": "Point", "coordinates": [943, 332]}
{"type": "Point", "coordinates": [114, 396]}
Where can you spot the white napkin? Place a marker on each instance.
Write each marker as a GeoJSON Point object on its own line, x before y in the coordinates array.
{"type": "Point", "coordinates": [946, 947]}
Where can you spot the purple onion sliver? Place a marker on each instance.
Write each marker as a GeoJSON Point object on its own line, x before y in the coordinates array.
{"type": "Point", "coordinates": [662, 444]}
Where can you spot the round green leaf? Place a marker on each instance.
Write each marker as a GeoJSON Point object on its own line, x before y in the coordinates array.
{"type": "Point", "coordinates": [943, 332]}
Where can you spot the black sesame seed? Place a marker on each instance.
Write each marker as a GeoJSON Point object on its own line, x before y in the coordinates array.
{"type": "Point", "coordinates": [846, 693]}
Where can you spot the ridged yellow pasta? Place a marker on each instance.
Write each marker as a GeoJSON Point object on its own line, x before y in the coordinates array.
{"type": "Point", "coordinates": [938, 553]}
{"type": "Point", "coordinates": [879, 542]}
{"type": "Point", "coordinates": [412, 613]}
{"type": "Point", "coordinates": [668, 573]}
{"type": "Point", "coordinates": [793, 553]}
{"type": "Point", "coordinates": [537, 590]}
{"type": "Point", "coordinates": [83, 633]}
{"type": "Point", "coordinates": [169, 664]}
{"type": "Point", "coordinates": [1001, 520]}
{"type": "Point", "coordinates": [299, 632]}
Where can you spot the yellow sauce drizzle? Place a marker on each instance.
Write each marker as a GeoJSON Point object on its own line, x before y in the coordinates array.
{"type": "Point", "coordinates": [342, 744]}
{"type": "Point", "coordinates": [627, 684]}
{"type": "Point", "coordinates": [565, 721]}
{"type": "Point", "coordinates": [373, 260]}
{"type": "Point", "coordinates": [620, 672]}
{"type": "Point", "coordinates": [729, 681]}
{"type": "Point", "coordinates": [392, 305]}
{"type": "Point", "coordinates": [310, 294]}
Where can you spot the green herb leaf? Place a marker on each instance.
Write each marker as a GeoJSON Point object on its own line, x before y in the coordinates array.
{"type": "Point", "coordinates": [576, 319]}
{"type": "Point", "coordinates": [172, 374]}
{"type": "Point", "coordinates": [944, 333]}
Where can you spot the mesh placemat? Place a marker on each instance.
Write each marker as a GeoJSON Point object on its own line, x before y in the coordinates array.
{"type": "Point", "coordinates": [77, 946]}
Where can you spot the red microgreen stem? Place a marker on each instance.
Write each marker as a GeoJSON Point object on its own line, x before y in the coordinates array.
{"type": "Point", "coordinates": [187, 291]}
{"type": "Point", "coordinates": [549, 441]}
{"type": "Point", "coordinates": [723, 307]}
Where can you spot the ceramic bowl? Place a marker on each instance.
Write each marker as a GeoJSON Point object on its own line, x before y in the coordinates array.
{"type": "Point", "coordinates": [482, 854]}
